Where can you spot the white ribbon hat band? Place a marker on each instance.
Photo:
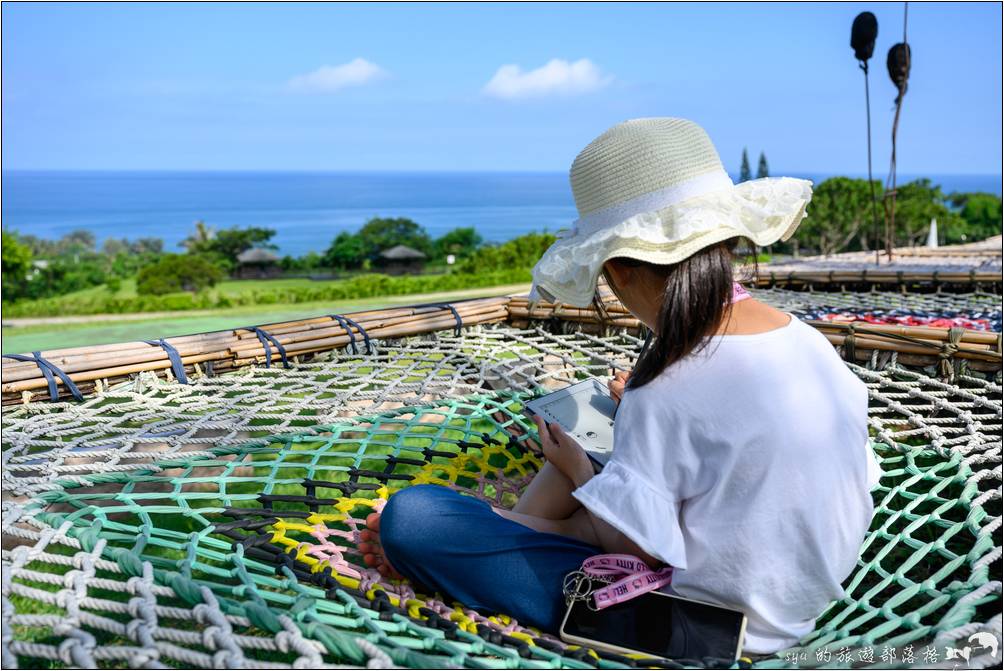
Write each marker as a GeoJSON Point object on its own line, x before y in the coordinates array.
{"type": "Point", "coordinates": [651, 202]}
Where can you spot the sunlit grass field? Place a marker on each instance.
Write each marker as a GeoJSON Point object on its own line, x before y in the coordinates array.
{"type": "Point", "coordinates": [98, 329]}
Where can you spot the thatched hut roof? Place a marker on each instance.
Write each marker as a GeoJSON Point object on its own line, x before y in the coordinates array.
{"type": "Point", "coordinates": [257, 255]}
{"type": "Point", "coordinates": [401, 253]}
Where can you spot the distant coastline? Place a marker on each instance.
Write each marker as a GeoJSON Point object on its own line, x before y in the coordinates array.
{"type": "Point", "coordinates": [308, 209]}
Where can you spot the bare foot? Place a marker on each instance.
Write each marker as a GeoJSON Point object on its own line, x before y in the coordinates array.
{"type": "Point", "coordinates": [373, 555]}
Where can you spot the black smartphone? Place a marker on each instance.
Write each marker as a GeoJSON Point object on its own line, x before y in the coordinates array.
{"type": "Point", "coordinates": [658, 624]}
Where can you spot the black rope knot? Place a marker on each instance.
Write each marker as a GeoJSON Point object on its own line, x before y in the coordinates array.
{"type": "Point", "coordinates": [177, 367]}
{"type": "Point", "coordinates": [50, 371]}
{"type": "Point", "coordinates": [347, 324]}
{"type": "Point", "coordinates": [264, 337]}
{"type": "Point", "coordinates": [456, 316]}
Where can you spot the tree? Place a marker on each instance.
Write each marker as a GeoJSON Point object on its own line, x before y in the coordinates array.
{"type": "Point", "coordinates": [460, 242]}
{"type": "Point", "coordinates": [838, 215]}
{"type": "Point", "coordinates": [147, 246]}
{"type": "Point", "coordinates": [521, 252]}
{"type": "Point", "coordinates": [15, 265]}
{"type": "Point", "coordinates": [309, 261]}
{"type": "Point", "coordinates": [231, 242]}
{"type": "Point", "coordinates": [226, 244]}
{"type": "Point", "coordinates": [744, 169]}
{"type": "Point", "coordinates": [76, 243]}
{"type": "Point", "coordinates": [761, 168]}
{"type": "Point", "coordinates": [178, 272]}
{"type": "Point", "coordinates": [63, 275]}
{"type": "Point", "coordinates": [71, 263]}
{"type": "Point", "coordinates": [202, 235]}
{"type": "Point", "coordinates": [918, 202]}
{"type": "Point", "coordinates": [123, 257]}
{"type": "Point", "coordinates": [381, 233]}
{"type": "Point", "coordinates": [347, 251]}
{"type": "Point", "coordinates": [981, 214]}
{"type": "Point", "coordinates": [114, 246]}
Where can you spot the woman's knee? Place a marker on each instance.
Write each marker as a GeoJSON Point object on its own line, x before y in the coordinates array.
{"type": "Point", "coordinates": [413, 518]}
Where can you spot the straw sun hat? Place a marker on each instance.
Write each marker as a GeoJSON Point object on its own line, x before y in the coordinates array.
{"type": "Point", "coordinates": [655, 190]}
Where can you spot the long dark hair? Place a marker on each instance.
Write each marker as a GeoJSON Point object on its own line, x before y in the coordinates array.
{"type": "Point", "coordinates": [697, 298]}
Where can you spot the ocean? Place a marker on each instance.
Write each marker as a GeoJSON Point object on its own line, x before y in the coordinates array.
{"type": "Point", "coordinates": [307, 210]}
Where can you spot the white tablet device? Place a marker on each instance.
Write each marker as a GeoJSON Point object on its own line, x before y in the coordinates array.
{"type": "Point", "coordinates": [586, 412]}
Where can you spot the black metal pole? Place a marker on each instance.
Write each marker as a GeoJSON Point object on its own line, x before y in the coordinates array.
{"type": "Point", "coordinates": [876, 234]}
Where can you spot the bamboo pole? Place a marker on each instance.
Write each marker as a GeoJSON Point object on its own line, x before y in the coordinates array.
{"type": "Point", "coordinates": [83, 368]}
{"type": "Point", "coordinates": [368, 316]}
{"type": "Point", "coordinates": [929, 341]}
{"type": "Point", "coordinates": [927, 332]}
{"type": "Point", "coordinates": [154, 358]}
{"type": "Point", "coordinates": [255, 352]}
{"type": "Point", "coordinates": [228, 350]}
{"type": "Point", "coordinates": [879, 343]}
{"type": "Point", "coordinates": [73, 359]}
{"type": "Point", "coordinates": [77, 359]}
{"type": "Point", "coordinates": [98, 374]}
{"type": "Point", "coordinates": [547, 311]}
{"type": "Point", "coordinates": [466, 314]}
{"type": "Point", "coordinates": [766, 277]}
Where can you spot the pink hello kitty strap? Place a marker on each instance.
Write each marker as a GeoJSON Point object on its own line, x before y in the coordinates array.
{"type": "Point", "coordinates": [637, 578]}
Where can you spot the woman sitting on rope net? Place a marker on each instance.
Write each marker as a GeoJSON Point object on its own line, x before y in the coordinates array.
{"type": "Point", "coordinates": [740, 442]}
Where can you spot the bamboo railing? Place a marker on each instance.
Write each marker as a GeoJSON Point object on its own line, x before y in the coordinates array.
{"type": "Point", "coordinates": [915, 345]}
{"type": "Point", "coordinates": [223, 351]}
{"type": "Point", "coordinates": [927, 279]}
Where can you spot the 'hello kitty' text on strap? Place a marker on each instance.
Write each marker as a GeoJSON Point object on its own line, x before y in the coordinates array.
{"type": "Point", "coordinates": [638, 578]}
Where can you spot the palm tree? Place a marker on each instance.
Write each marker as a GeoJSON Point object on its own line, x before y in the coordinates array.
{"type": "Point", "coordinates": [202, 235]}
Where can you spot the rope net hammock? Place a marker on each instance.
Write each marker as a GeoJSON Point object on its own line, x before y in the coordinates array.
{"type": "Point", "coordinates": [215, 523]}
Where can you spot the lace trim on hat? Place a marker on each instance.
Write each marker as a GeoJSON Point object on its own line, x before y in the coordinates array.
{"type": "Point", "coordinates": [763, 210]}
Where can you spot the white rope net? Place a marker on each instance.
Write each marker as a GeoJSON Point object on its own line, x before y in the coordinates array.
{"type": "Point", "coordinates": [214, 524]}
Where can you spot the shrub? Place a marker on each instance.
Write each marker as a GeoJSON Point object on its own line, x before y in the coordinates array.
{"type": "Point", "coordinates": [460, 242]}
{"type": "Point", "coordinates": [347, 251]}
{"type": "Point", "coordinates": [522, 252]}
{"type": "Point", "coordinates": [16, 265]}
{"type": "Point", "coordinates": [362, 286]}
{"type": "Point", "coordinates": [380, 233]}
{"type": "Point", "coordinates": [350, 251]}
{"type": "Point", "coordinates": [174, 273]}
{"type": "Point", "coordinates": [981, 214]}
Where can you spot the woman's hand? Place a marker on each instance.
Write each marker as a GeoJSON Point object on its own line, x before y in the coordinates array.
{"type": "Point", "coordinates": [564, 452]}
{"type": "Point", "coordinates": [617, 384]}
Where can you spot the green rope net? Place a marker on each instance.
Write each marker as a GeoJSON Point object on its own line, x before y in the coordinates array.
{"type": "Point", "coordinates": [215, 524]}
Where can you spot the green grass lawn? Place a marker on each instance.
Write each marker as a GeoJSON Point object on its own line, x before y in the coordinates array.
{"type": "Point", "coordinates": [228, 287]}
{"type": "Point", "coordinates": [127, 289]}
{"type": "Point", "coordinates": [114, 328]}
{"type": "Point", "coordinates": [230, 294]}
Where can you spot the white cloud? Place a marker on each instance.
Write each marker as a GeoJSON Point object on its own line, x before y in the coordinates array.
{"type": "Point", "coordinates": [331, 78]}
{"type": "Point", "coordinates": [557, 77]}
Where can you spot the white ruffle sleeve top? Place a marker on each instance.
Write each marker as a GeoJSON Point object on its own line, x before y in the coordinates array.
{"type": "Point", "coordinates": [747, 467]}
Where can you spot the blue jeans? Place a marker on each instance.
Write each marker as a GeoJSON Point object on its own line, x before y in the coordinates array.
{"type": "Point", "coordinates": [459, 546]}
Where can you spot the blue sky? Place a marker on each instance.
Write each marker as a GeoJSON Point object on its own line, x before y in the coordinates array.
{"type": "Point", "coordinates": [485, 87]}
